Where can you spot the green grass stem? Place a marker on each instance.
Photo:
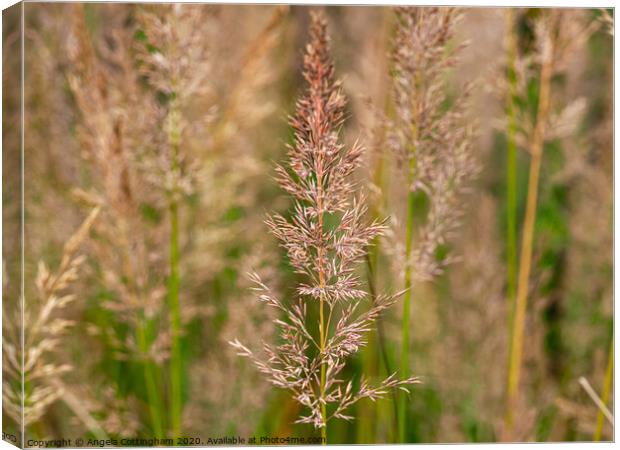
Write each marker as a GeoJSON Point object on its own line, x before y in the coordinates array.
{"type": "Point", "coordinates": [511, 163]}
{"type": "Point", "coordinates": [150, 380]}
{"type": "Point", "coordinates": [176, 361]}
{"type": "Point", "coordinates": [404, 353]}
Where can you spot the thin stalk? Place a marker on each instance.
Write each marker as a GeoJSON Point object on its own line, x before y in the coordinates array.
{"type": "Point", "coordinates": [511, 163]}
{"type": "Point", "coordinates": [323, 405]}
{"type": "Point", "coordinates": [596, 399]}
{"type": "Point", "coordinates": [367, 422]}
{"type": "Point", "coordinates": [153, 393]}
{"type": "Point", "coordinates": [525, 263]}
{"type": "Point", "coordinates": [600, 420]}
{"type": "Point", "coordinates": [176, 363]}
{"type": "Point", "coordinates": [81, 412]}
{"type": "Point", "coordinates": [381, 339]}
{"type": "Point", "coordinates": [404, 353]}
{"type": "Point", "coordinates": [322, 329]}
{"type": "Point", "coordinates": [150, 379]}
{"type": "Point", "coordinates": [175, 322]}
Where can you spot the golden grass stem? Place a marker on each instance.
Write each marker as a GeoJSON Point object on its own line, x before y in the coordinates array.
{"type": "Point", "coordinates": [525, 263]}
{"type": "Point", "coordinates": [600, 420]}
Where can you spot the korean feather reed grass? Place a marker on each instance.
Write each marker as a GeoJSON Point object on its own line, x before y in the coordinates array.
{"type": "Point", "coordinates": [432, 144]}
{"type": "Point", "coordinates": [558, 34]}
{"type": "Point", "coordinates": [309, 361]}
{"type": "Point", "coordinates": [176, 64]}
{"type": "Point", "coordinates": [140, 163]}
{"type": "Point", "coordinates": [104, 104]}
{"type": "Point", "coordinates": [44, 328]}
{"type": "Point", "coordinates": [161, 119]}
{"type": "Point", "coordinates": [546, 53]}
{"type": "Point", "coordinates": [154, 66]}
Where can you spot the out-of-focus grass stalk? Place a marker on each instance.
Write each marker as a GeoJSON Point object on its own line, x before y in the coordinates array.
{"type": "Point", "coordinates": [153, 390]}
{"type": "Point", "coordinates": [367, 422]}
{"type": "Point", "coordinates": [150, 379]}
{"type": "Point", "coordinates": [511, 162]}
{"type": "Point", "coordinates": [404, 351]}
{"type": "Point", "coordinates": [525, 263]}
{"type": "Point", "coordinates": [81, 412]}
{"type": "Point", "coordinates": [511, 174]}
{"type": "Point", "coordinates": [606, 392]}
{"type": "Point", "coordinates": [175, 320]}
{"type": "Point", "coordinates": [255, 53]}
{"type": "Point", "coordinates": [176, 363]}
{"type": "Point", "coordinates": [378, 349]}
